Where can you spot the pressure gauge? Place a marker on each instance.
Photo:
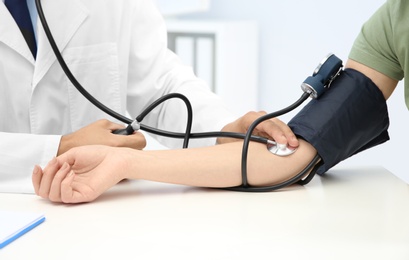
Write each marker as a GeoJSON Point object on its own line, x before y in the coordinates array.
{"type": "Point", "coordinates": [326, 71]}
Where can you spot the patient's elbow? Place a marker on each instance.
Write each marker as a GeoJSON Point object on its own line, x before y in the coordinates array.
{"type": "Point", "coordinates": [265, 168]}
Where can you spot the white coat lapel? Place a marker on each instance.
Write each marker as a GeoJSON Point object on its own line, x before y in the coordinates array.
{"type": "Point", "coordinates": [11, 35]}
{"type": "Point", "coordinates": [64, 17]}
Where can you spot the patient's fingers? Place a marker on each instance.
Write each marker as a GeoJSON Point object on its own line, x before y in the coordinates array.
{"type": "Point", "coordinates": [67, 192]}
{"type": "Point", "coordinates": [55, 189]}
{"type": "Point", "coordinates": [36, 178]}
{"type": "Point", "coordinates": [47, 177]}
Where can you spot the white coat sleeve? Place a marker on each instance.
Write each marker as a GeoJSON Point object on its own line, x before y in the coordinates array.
{"type": "Point", "coordinates": [155, 71]}
{"type": "Point", "coordinates": [18, 155]}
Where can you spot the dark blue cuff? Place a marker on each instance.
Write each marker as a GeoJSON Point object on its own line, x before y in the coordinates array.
{"type": "Point", "coordinates": [350, 117]}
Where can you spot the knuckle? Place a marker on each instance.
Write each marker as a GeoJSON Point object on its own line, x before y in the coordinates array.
{"type": "Point", "coordinates": [48, 174]}
{"type": "Point", "coordinates": [54, 199]}
{"type": "Point", "coordinates": [103, 122]}
{"type": "Point", "coordinates": [249, 114]}
{"type": "Point", "coordinates": [43, 194]}
{"type": "Point", "coordinates": [262, 112]}
{"type": "Point", "coordinates": [276, 120]}
{"type": "Point", "coordinates": [66, 200]}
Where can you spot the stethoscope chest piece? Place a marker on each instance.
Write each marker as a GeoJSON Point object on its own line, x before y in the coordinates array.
{"type": "Point", "coordinates": [280, 149]}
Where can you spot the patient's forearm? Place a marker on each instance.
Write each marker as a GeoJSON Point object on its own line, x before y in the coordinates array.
{"type": "Point", "coordinates": [217, 166]}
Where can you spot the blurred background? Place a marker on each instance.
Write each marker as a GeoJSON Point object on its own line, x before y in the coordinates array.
{"type": "Point", "coordinates": [255, 54]}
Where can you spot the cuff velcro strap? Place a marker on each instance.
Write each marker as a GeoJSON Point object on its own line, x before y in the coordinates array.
{"type": "Point", "coordinates": [350, 117]}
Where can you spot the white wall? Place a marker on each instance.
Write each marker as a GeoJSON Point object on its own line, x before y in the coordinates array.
{"type": "Point", "coordinates": [294, 37]}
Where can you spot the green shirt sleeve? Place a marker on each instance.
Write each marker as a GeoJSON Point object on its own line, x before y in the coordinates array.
{"type": "Point", "coordinates": [377, 45]}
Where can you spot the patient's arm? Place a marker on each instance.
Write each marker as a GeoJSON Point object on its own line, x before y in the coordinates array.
{"type": "Point", "coordinates": [386, 84]}
{"type": "Point", "coordinates": [220, 166]}
{"type": "Point", "coordinates": [84, 173]}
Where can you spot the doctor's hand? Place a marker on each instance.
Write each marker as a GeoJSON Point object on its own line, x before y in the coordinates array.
{"type": "Point", "coordinates": [100, 132]}
{"type": "Point", "coordinates": [273, 129]}
{"type": "Point", "coordinates": [81, 174]}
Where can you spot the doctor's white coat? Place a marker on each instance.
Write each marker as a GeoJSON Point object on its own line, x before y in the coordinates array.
{"type": "Point", "coordinates": [117, 50]}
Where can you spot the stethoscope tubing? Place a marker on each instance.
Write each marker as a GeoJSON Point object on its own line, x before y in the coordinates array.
{"type": "Point", "coordinates": [188, 135]}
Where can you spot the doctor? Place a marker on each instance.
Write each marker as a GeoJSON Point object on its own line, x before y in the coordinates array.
{"type": "Point", "coordinates": [117, 50]}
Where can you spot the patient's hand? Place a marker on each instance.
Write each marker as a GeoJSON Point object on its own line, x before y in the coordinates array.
{"type": "Point", "coordinates": [81, 174]}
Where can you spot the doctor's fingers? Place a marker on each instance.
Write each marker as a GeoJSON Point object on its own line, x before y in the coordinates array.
{"type": "Point", "coordinates": [278, 131]}
{"type": "Point", "coordinates": [106, 124]}
{"type": "Point", "coordinates": [273, 129]}
{"type": "Point", "coordinates": [136, 141]}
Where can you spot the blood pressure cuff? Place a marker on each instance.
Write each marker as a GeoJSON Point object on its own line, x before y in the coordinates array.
{"type": "Point", "coordinates": [351, 116]}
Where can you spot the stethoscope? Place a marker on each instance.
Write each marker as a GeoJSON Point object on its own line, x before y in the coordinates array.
{"type": "Point", "coordinates": [314, 86]}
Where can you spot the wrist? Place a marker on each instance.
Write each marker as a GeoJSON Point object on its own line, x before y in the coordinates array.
{"type": "Point", "coordinates": [131, 161]}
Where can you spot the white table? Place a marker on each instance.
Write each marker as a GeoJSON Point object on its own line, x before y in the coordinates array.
{"type": "Point", "coordinates": [353, 213]}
